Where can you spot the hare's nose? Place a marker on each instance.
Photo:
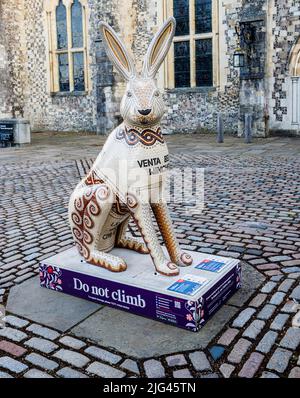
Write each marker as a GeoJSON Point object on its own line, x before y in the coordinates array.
{"type": "Point", "coordinates": [144, 112]}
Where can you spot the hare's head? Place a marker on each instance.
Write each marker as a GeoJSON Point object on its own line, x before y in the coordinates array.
{"type": "Point", "coordinates": [142, 103]}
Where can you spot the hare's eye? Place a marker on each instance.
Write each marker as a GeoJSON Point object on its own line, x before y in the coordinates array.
{"type": "Point", "coordinates": [157, 93]}
{"type": "Point", "coordinates": [129, 94]}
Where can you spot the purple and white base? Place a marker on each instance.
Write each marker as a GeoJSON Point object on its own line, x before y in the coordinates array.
{"type": "Point", "coordinates": [67, 273]}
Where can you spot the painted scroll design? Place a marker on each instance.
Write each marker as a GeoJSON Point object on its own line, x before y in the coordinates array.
{"type": "Point", "coordinates": [147, 137]}
{"type": "Point", "coordinates": [86, 208]}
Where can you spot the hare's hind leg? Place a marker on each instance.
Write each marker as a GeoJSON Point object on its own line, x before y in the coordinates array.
{"type": "Point", "coordinates": [164, 222]}
{"type": "Point", "coordinates": [89, 210]}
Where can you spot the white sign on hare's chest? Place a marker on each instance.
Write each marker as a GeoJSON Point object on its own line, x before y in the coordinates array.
{"type": "Point", "coordinates": [156, 165]}
{"type": "Point", "coordinates": [153, 162]}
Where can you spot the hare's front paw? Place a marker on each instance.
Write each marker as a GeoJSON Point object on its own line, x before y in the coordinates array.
{"type": "Point", "coordinates": [167, 268]}
{"type": "Point", "coordinates": [184, 260]}
{"type": "Point", "coordinates": [108, 261]}
{"type": "Point", "coordinates": [134, 244]}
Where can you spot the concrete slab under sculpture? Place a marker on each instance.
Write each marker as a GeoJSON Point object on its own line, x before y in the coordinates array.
{"type": "Point", "coordinates": [142, 338]}
{"type": "Point", "coordinates": [252, 279]}
{"type": "Point", "coordinates": [106, 325]}
{"type": "Point", "coordinates": [47, 307]}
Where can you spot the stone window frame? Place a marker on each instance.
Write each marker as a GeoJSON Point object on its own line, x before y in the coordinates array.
{"type": "Point", "coordinates": [294, 71]}
{"type": "Point", "coordinates": [294, 59]}
{"type": "Point", "coordinates": [53, 71]}
{"type": "Point", "coordinates": [169, 72]}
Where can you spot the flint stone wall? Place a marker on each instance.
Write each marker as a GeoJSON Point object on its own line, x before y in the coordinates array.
{"type": "Point", "coordinates": [24, 77]}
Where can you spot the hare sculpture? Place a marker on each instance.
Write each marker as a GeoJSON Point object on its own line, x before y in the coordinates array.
{"type": "Point", "coordinates": [104, 201]}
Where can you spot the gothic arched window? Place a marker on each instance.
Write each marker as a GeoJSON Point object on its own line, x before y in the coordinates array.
{"type": "Point", "coordinates": [294, 59]}
{"type": "Point", "coordinates": [61, 26]}
{"type": "Point", "coordinates": [191, 64]}
{"type": "Point", "coordinates": [67, 22]}
{"type": "Point", "coordinates": [294, 67]}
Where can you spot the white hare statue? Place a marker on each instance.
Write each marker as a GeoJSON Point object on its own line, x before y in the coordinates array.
{"type": "Point", "coordinates": [100, 207]}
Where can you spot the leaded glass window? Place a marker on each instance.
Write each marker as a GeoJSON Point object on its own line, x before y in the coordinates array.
{"type": "Point", "coordinates": [67, 21]}
{"type": "Point", "coordinates": [194, 42]}
{"type": "Point", "coordinates": [181, 13]}
{"type": "Point", "coordinates": [182, 64]}
{"type": "Point", "coordinates": [63, 65]}
{"type": "Point", "coordinates": [61, 26]}
{"type": "Point", "coordinates": [77, 31]}
{"type": "Point", "coordinates": [203, 16]}
{"type": "Point", "coordinates": [78, 63]}
{"type": "Point", "coordinates": [204, 63]}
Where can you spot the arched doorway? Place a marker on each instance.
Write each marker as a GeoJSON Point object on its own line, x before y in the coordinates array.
{"type": "Point", "coordinates": [294, 69]}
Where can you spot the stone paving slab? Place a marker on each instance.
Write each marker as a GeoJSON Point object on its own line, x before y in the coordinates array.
{"type": "Point", "coordinates": [251, 280]}
{"type": "Point", "coordinates": [98, 325]}
{"type": "Point", "coordinates": [53, 309]}
{"type": "Point", "coordinates": [141, 337]}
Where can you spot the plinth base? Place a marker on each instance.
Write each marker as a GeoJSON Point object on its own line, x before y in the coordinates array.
{"type": "Point", "coordinates": [185, 301]}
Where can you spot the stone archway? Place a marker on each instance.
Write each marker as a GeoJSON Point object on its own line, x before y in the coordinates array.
{"type": "Point", "coordinates": [294, 72]}
{"type": "Point", "coordinates": [294, 59]}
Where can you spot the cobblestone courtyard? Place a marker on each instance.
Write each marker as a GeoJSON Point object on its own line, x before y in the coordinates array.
{"type": "Point", "coordinates": [251, 213]}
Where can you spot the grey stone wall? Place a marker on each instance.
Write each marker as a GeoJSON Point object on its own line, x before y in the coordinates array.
{"type": "Point", "coordinates": [5, 109]}
{"type": "Point", "coordinates": [195, 111]}
{"type": "Point", "coordinates": [252, 98]}
{"type": "Point", "coordinates": [45, 111]}
{"type": "Point", "coordinates": [12, 59]}
{"type": "Point", "coordinates": [96, 111]}
{"type": "Point", "coordinates": [285, 32]}
{"type": "Point", "coordinates": [189, 110]}
{"type": "Point", "coordinates": [24, 90]}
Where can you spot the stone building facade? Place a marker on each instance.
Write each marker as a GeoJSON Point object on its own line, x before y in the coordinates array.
{"type": "Point", "coordinates": [37, 82]}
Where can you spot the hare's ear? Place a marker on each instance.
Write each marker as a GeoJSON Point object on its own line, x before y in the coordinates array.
{"type": "Point", "coordinates": [159, 48]}
{"type": "Point", "coordinates": [117, 52]}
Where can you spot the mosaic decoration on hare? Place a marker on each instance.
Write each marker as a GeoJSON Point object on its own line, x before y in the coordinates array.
{"type": "Point", "coordinates": [100, 208]}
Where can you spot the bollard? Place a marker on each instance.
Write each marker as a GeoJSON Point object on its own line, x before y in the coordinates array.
{"type": "Point", "coordinates": [220, 129]}
{"type": "Point", "coordinates": [248, 128]}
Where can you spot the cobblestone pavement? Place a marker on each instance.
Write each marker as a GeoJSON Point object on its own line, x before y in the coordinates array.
{"type": "Point", "coordinates": [251, 213]}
